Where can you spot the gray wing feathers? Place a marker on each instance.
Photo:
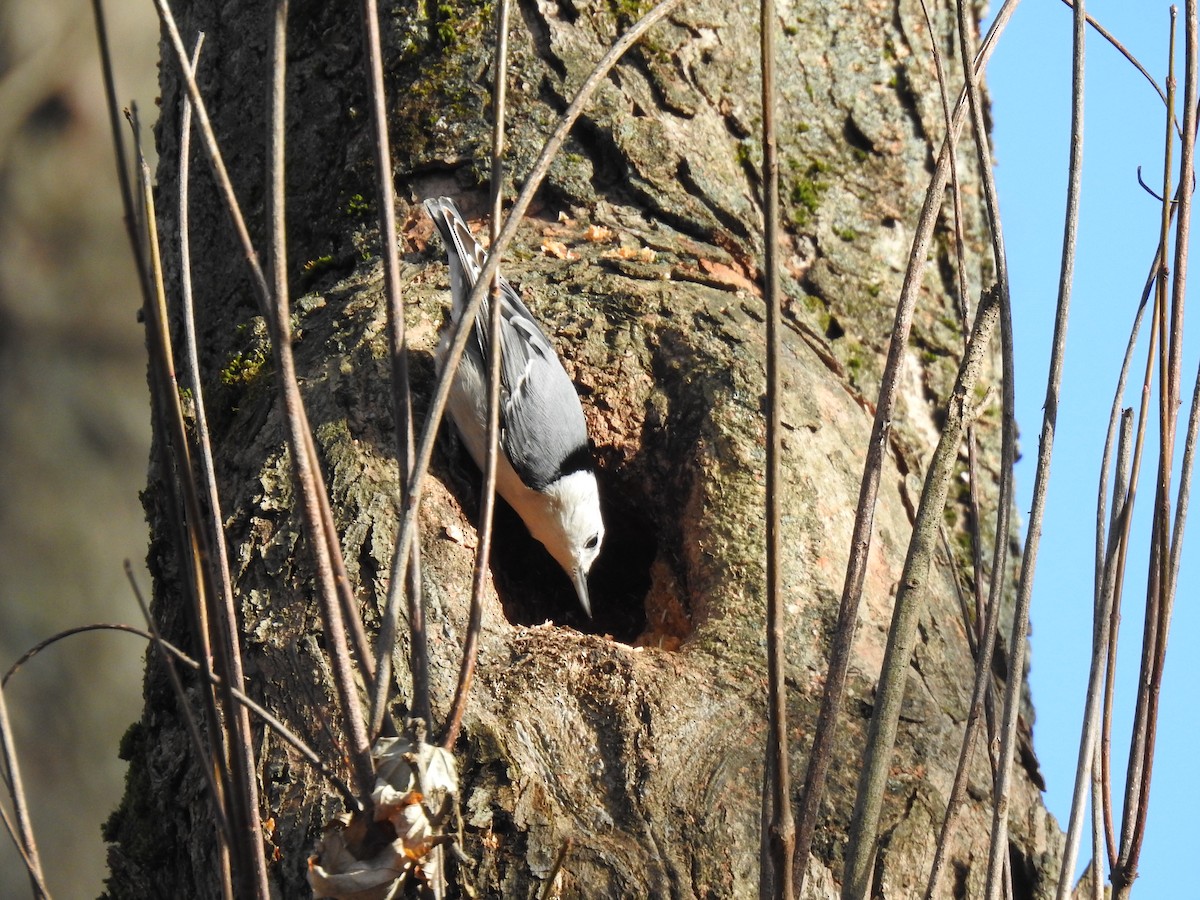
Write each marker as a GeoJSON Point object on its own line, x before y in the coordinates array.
{"type": "Point", "coordinates": [542, 423]}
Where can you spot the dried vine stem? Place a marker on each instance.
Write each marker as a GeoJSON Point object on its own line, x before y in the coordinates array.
{"type": "Point", "coordinates": [466, 671]}
{"type": "Point", "coordinates": [998, 857]}
{"type": "Point", "coordinates": [401, 388]}
{"type": "Point", "coordinates": [244, 780]}
{"type": "Point", "coordinates": [1123, 868]}
{"type": "Point", "coordinates": [981, 634]}
{"type": "Point", "coordinates": [216, 794]}
{"type": "Point", "coordinates": [165, 407]}
{"type": "Point", "coordinates": [1087, 766]}
{"type": "Point", "coordinates": [22, 832]}
{"type": "Point", "coordinates": [225, 788]}
{"type": "Point", "coordinates": [269, 719]}
{"type": "Point", "coordinates": [960, 253]}
{"type": "Point", "coordinates": [1125, 526]}
{"type": "Point", "coordinates": [1124, 51]}
{"type": "Point", "coordinates": [781, 836]}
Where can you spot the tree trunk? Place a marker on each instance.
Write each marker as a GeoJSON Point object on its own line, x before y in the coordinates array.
{"type": "Point", "coordinates": [639, 736]}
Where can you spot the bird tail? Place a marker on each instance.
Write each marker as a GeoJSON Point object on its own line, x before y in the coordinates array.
{"type": "Point", "coordinates": [465, 255]}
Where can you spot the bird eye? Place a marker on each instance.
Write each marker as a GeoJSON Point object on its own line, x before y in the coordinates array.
{"type": "Point", "coordinates": [592, 542]}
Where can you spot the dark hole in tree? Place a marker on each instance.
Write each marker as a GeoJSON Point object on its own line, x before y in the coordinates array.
{"type": "Point", "coordinates": [531, 585]}
{"type": "Point", "coordinates": [533, 588]}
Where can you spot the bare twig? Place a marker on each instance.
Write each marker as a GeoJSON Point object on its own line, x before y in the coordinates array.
{"type": "Point", "coordinates": [39, 886]}
{"type": "Point", "coordinates": [782, 832]}
{"type": "Point", "coordinates": [23, 836]}
{"type": "Point", "coordinates": [1120, 48]}
{"type": "Point", "coordinates": [165, 408]}
{"type": "Point", "coordinates": [1124, 870]}
{"type": "Point", "coordinates": [998, 848]}
{"type": "Point", "coordinates": [487, 504]}
{"type": "Point", "coordinates": [972, 626]}
{"type": "Point", "coordinates": [548, 890]}
{"type": "Point", "coordinates": [1185, 483]}
{"type": "Point", "coordinates": [241, 756]}
{"type": "Point", "coordinates": [114, 119]}
{"type": "Point", "coordinates": [216, 792]}
{"type": "Point", "coordinates": [401, 389]}
{"type": "Point", "coordinates": [909, 604]}
{"type": "Point", "coordinates": [66, 633]}
{"type": "Point", "coordinates": [1097, 864]}
{"type": "Point", "coordinates": [1126, 521]}
{"type": "Point", "coordinates": [1130, 494]}
{"type": "Point", "coordinates": [193, 541]}
{"type": "Point", "coordinates": [981, 632]}
{"type": "Point", "coordinates": [306, 468]}
{"type": "Point", "coordinates": [269, 719]}
{"type": "Point", "coordinates": [1087, 768]}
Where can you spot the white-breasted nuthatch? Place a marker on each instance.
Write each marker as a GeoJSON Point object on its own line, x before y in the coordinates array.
{"type": "Point", "coordinates": [545, 468]}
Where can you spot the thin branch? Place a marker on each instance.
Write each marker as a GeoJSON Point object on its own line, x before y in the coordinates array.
{"type": "Point", "coordinates": [268, 718]}
{"type": "Point", "coordinates": [483, 546]}
{"type": "Point", "coordinates": [1124, 870]}
{"type": "Point", "coordinates": [401, 389]}
{"type": "Point", "coordinates": [987, 613]}
{"type": "Point", "coordinates": [305, 465]}
{"type": "Point", "coordinates": [1185, 483]}
{"type": "Point", "coordinates": [1120, 48]}
{"type": "Point", "coordinates": [165, 399]}
{"type": "Point", "coordinates": [23, 838]}
{"type": "Point", "coordinates": [782, 832]}
{"type": "Point", "coordinates": [69, 632]}
{"type": "Point", "coordinates": [1102, 553]}
{"type": "Point", "coordinates": [1086, 764]}
{"type": "Point", "coordinates": [193, 541]}
{"type": "Point", "coordinates": [241, 754]}
{"type": "Point", "coordinates": [1162, 578]}
{"type": "Point", "coordinates": [1126, 520]}
{"type": "Point", "coordinates": [39, 886]}
{"type": "Point", "coordinates": [114, 119]}
{"type": "Point", "coordinates": [559, 859]}
{"type": "Point", "coordinates": [998, 848]}
{"type": "Point", "coordinates": [1097, 864]}
{"type": "Point", "coordinates": [908, 607]}
{"type": "Point", "coordinates": [972, 626]}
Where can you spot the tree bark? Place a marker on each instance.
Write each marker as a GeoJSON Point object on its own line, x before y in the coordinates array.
{"type": "Point", "coordinates": [639, 736]}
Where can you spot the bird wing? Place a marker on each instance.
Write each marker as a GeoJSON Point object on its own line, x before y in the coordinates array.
{"type": "Point", "coordinates": [543, 431]}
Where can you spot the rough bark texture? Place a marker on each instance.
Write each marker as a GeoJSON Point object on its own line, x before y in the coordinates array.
{"type": "Point", "coordinates": [640, 736]}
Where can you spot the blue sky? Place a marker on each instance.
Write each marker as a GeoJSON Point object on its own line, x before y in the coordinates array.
{"type": "Point", "coordinates": [1030, 81]}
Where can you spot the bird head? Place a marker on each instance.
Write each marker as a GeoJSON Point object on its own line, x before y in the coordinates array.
{"type": "Point", "coordinates": [573, 530]}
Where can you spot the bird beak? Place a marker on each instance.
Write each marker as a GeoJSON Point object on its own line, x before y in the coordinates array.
{"type": "Point", "coordinates": [579, 577]}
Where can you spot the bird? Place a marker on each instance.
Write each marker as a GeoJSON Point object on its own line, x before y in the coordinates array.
{"type": "Point", "coordinates": [545, 469]}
